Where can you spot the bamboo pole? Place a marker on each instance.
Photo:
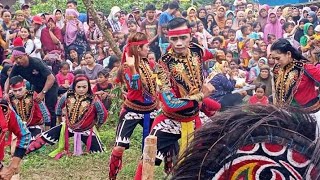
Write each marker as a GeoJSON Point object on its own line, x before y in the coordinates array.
{"type": "Point", "coordinates": [106, 33]}
{"type": "Point", "coordinates": [149, 157]}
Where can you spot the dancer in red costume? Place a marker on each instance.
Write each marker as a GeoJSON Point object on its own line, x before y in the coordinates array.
{"type": "Point", "coordinates": [84, 111]}
{"type": "Point", "coordinates": [30, 111]}
{"type": "Point", "coordinates": [295, 79]}
{"type": "Point", "coordinates": [182, 92]}
{"type": "Point", "coordinates": [141, 101]}
{"type": "Point", "coordinates": [10, 121]}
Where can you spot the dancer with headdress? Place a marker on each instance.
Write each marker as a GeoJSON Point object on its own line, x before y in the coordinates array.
{"type": "Point", "coordinates": [182, 92]}
{"type": "Point", "coordinates": [141, 101]}
{"type": "Point", "coordinates": [84, 112]}
{"type": "Point", "coordinates": [34, 114]}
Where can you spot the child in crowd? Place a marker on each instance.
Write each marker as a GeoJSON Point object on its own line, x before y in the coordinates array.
{"type": "Point", "coordinates": [228, 23]}
{"type": "Point", "coordinates": [257, 29]}
{"type": "Point", "coordinates": [132, 27]}
{"type": "Point", "coordinates": [254, 58]}
{"type": "Point", "coordinates": [255, 71]}
{"type": "Point", "coordinates": [121, 40]}
{"type": "Point", "coordinates": [217, 43]}
{"type": "Point", "coordinates": [289, 29]}
{"type": "Point", "coordinates": [259, 96]}
{"type": "Point", "coordinates": [245, 45]}
{"type": "Point", "coordinates": [163, 39]}
{"type": "Point", "coordinates": [232, 44]}
{"type": "Point", "coordinates": [103, 86]}
{"type": "Point", "coordinates": [229, 56]}
{"type": "Point", "coordinates": [64, 78]}
{"type": "Point", "coordinates": [271, 39]}
{"type": "Point", "coordinates": [239, 32]}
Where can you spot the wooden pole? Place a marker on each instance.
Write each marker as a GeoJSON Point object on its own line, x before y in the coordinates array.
{"type": "Point", "coordinates": [102, 27]}
{"type": "Point", "coordinates": [149, 157]}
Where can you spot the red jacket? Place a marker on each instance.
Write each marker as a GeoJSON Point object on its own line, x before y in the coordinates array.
{"type": "Point", "coordinates": [306, 89]}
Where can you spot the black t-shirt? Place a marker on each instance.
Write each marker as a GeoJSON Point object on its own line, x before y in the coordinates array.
{"type": "Point", "coordinates": [36, 73]}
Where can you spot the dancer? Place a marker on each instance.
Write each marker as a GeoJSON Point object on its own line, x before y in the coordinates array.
{"type": "Point", "coordinates": [84, 112]}
{"type": "Point", "coordinates": [141, 101]}
{"type": "Point", "coordinates": [10, 121]}
{"type": "Point", "coordinates": [40, 77]}
{"type": "Point", "coordinates": [182, 92]}
{"type": "Point", "coordinates": [34, 114]}
{"type": "Point", "coordinates": [294, 79]}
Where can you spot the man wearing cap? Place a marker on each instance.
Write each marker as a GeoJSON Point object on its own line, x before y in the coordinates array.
{"type": "Point", "coordinates": [10, 122]}
{"type": "Point", "coordinates": [40, 77]}
{"type": "Point", "coordinates": [38, 26]}
{"type": "Point", "coordinates": [182, 92]}
{"type": "Point", "coordinates": [27, 12]}
{"type": "Point", "coordinates": [136, 14]}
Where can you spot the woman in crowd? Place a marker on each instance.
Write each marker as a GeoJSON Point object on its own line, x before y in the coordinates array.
{"type": "Point", "coordinates": [51, 36]}
{"type": "Point", "coordinates": [192, 14]}
{"type": "Point", "coordinates": [240, 17]}
{"type": "Point", "coordinates": [92, 68]}
{"type": "Point", "coordinates": [74, 32]}
{"type": "Point", "coordinates": [265, 78]}
{"type": "Point", "coordinates": [60, 22]}
{"type": "Point", "coordinates": [224, 83]}
{"type": "Point", "coordinates": [263, 15]}
{"type": "Point", "coordinates": [19, 16]}
{"type": "Point", "coordinates": [273, 26]}
{"type": "Point", "coordinates": [220, 17]}
{"type": "Point", "coordinates": [6, 19]}
{"type": "Point", "coordinates": [84, 112]}
{"type": "Point", "coordinates": [202, 14]}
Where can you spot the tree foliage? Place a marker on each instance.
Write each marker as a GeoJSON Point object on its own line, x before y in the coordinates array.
{"type": "Point", "coordinates": [40, 6]}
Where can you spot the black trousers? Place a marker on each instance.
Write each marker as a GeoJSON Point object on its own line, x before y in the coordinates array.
{"type": "Point", "coordinates": [51, 101]}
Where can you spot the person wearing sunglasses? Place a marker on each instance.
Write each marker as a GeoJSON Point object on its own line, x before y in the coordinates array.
{"type": "Point", "coordinates": [182, 92]}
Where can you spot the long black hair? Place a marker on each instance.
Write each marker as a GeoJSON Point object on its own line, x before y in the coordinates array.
{"type": "Point", "coordinates": [283, 46]}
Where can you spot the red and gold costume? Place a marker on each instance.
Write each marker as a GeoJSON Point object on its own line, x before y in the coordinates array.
{"type": "Point", "coordinates": [295, 85]}
{"type": "Point", "coordinates": [12, 123]}
{"type": "Point", "coordinates": [32, 113]}
{"type": "Point", "coordinates": [181, 97]}
{"type": "Point", "coordinates": [138, 108]}
{"type": "Point", "coordinates": [83, 112]}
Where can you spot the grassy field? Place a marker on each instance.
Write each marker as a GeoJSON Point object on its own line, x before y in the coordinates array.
{"type": "Point", "coordinates": [39, 166]}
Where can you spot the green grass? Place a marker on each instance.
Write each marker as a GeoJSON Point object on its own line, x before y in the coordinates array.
{"type": "Point", "coordinates": [38, 165]}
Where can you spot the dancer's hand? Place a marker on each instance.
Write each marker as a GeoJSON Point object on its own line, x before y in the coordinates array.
{"type": "Point", "coordinates": [207, 89]}
{"type": "Point", "coordinates": [7, 172]}
{"type": "Point", "coordinates": [39, 97]}
{"type": "Point", "coordinates": [129, 60]}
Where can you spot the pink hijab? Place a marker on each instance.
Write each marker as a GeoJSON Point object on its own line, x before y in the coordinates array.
{"type": "Point", "coordinates": [273, 28]}
{"type": "Point", "coordinates": [261, 20]}
{"type": "Point", "coordinates": [71, 26]}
